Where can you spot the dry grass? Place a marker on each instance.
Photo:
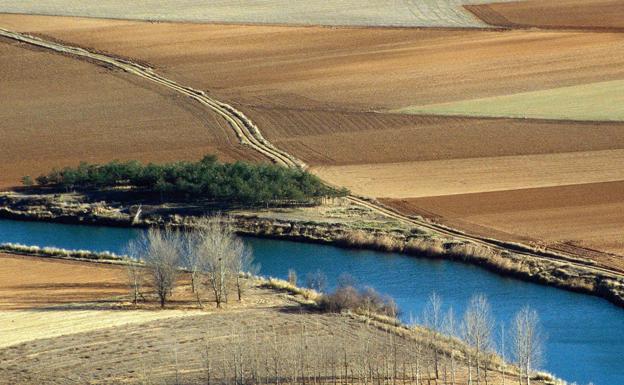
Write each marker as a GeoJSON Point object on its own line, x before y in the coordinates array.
{"type": "Point", "coordinates": [310, 296]}
{"type": "Point", "coordinates": [20, 326]}
{"type": "Point", "coordinates": [62, 253]}
{"type": "Point", "coordinates": [179, 348]}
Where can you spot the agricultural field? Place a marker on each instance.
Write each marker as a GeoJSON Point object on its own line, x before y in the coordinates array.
{"type": "Point", "coordinates": [103, 339]}
{"type": "Point", "coordinates": [410, 13]}
{"type": "Point", "coordinates": [48, 124]}
{"type": "Point", "coordinates": [600, 101]}
{"type": "Point", "coordinates": [578, 218]}
{"type": "Point", "coordinates": [556, 14]}
{"type": "Point", "coordinates": [471, 175]}
{"type": "Point", "coordinates": [330, 97]}
{"type": "Point", "coordinates": [44, 298]}
{"type": "Point", "coordinates": [29, 282]}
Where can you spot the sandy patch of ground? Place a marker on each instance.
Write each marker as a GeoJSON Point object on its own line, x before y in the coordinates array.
{"type": "Point", "coordinates": [430, 13]}
{"type": "Point", "coordinates": [594, 102]}
{"type": "Point", "coordinates": [460, 176]}
{"type": "Point", "coordinates": [337, 69]}
{"type": "Point", "coordinates": [590, 14]}
{"type": "Point", "coordinates": [58, 111]}
{"type": "Point", "coordinates": [585, 215]}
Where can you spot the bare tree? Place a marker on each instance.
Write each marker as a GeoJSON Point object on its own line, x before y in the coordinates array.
{"type": "Point", "coordinates": [432, 318]}
{"type": "Point", "coordinates": [223, 256]}
{"type": "Point", "coordinates": [292, 277]}
{"type": "Point", "coordinates": [317, 280]}
{"type": "Point", "coordinates": [160, 250]}
{"type": "Point", "coordinates": [194, 263]}
{"type": "Point", "coordinates": [450, 329]}
{"type": "Point", "coordinates": [135, 280]}
{"type": "Point", "coordinates": [477, 327]}
{"type": "Point", "coordinates": [503, 351]}
{"type": "Point", "coordinates": [527, 342]}
{"type": "Point", "coordinates": [242, 262]}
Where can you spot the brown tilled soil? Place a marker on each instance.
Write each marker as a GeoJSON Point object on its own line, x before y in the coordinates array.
{"type": "Point", "coordinates": [566, 14]}
{"type": "Point", "coordinates": [342, 138]}
{"type": "Point", "coordinates": [357, 68]}
{"type": "Point", "coordinates": [476, 175]}
{"type": "Point", "coordinates": [58, 111]}
{"type": "Point", "coordinates": [580, 218]}
{"type": "Point", "coordinates": [31, 282]}
{"type": "Point", "coordinates": [312, 90]}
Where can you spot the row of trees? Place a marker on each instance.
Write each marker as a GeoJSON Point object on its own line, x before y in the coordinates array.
{"type": "Point", "coordinates": [214, 258]}
{"type": "Point", "coordinates": [477, 330]}
{"type": "Point", "coordinates": [212, 254]}
{"type": "Point", "coordinates": [208, 179]}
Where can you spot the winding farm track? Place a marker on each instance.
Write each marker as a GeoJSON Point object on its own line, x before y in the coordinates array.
{"type": "Point", "coordinates": [249, 134]}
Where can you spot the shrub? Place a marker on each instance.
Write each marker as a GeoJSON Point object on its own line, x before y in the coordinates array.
{"type": "Point", "coordinates": [27, 181]}
{"type": "Point", "coordinates": [367, 301]}
{"type": "Point", "coordinates": [429, 246]}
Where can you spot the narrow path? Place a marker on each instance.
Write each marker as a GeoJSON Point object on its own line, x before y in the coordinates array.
{"type": "Point", "coordinates": [249, 134]}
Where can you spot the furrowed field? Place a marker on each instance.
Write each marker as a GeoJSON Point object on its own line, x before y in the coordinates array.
{"type": "Point", "coordinates": [540, 108]}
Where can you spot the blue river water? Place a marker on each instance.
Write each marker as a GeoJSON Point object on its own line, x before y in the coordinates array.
{"type": "Point", "coordinates": [585, 334]}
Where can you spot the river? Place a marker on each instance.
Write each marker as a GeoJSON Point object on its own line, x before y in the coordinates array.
{"type": "Point", "coordinates": [585, 334]}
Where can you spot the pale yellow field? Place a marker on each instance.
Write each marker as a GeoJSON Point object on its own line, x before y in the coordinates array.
{"type": "Point", "coordinates": [603, 101]}
{"type": "Point", "coordinates": [425, 13]}
{"type": "Point", "coordinates": [472, 175]}
{"type": "Point", "coordinates": [17, 326]}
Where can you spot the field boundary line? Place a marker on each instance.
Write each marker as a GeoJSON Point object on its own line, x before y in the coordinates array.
{"type": "Point", "coordinates": [249, 134]}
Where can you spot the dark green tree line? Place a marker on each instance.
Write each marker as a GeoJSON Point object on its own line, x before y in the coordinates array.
{"type": "Point", "coordinates": [208, 179]}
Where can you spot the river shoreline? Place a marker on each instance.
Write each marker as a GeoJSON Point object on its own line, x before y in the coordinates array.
{"type": "Point", "coordinates": [346, 234]}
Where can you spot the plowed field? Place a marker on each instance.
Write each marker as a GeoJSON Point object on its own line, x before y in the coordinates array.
{"type": "Point", "coordinates": [575, 14]}
{"type": "Point", "coordinates": [29, 282]}
{"type": "Point", "coordinates": [57, 111]}
{"type": "Point", "coordinates": [588, 216]}
{"type": "Point", "coordinates": [314, 91]}
{"type": "Point", "coordinates": [337, 69]}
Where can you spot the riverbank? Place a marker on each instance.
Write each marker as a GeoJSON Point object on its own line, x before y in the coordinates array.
{"type": "Point", "coordinates": [337, 223]}
{"type": "Point", "coordinates": [94, 309]}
